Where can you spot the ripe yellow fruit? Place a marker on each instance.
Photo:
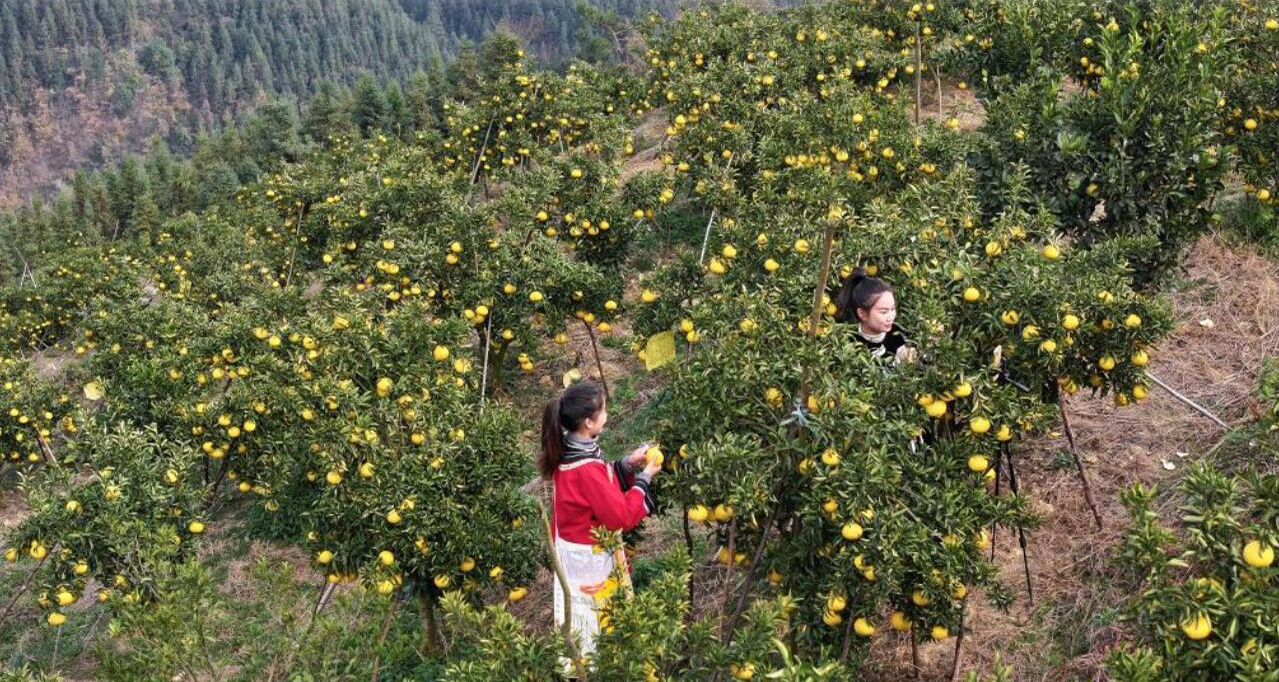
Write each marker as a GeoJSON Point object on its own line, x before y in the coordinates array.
{"type": "Point", "coordinates": [384, 386]}
{"type": "Point", "coordinates": [324, 557]}
{"type": "Point", "coordinates": [771, 265]}
{"type": "Point", "coordinates": [1140, 392]}
{"type": "Point", "coordinates": [1051, 252]}
{"type": "Point", "coordinates": [393, 517]}
{"type": "Point", "coordinates": [648, 296]}
{"type": "Point", "coordinates": [441, 353]}
{"type": "Point", "coordinates": [467, 565]}
{"type": "Point", "coordinates": [1010, 317]}
{"type": "Point", "coordinates": [654, 456]}
{"type": "Point", "coordinates": [333, 478]}
{"type": "Point", "coordinates": [836, 604]}
{"type": "Point", "coordinates": [801, 246]}
{"type": "Point", "coordinates": [747, 326]}
{"type": "Point", "coordinates": [1140, 358]}
{"type": "Point", "coordinates": [717, 267]}
{"type": "Point", "coordinates": [195, 527]}
{"type": "Point", "coordinates": [80, 568]}
{"type": "Point", "coordinates": [851, 531]}
{"type": "Point", "coordinates": [1197, 627]}
{"type": "Point", "coordinates": [919, 598]}
{"type": "Point", "coordinates": [978, 463]}
{"type": "Point", "coordinates": [65, 598]}
{"type": "Point", "coordinates": [936, 409]}
{"type": "Point", "coordinates": [535, 297]}
{"type": "Point", "coordinates": [386, 558]}
{"type": "Point", "coordinates": [1250, 124]}
{"type": "Point", "coordinates": [442, 581]}
{"type": "Point", "coordinates": [56, 619]}
{"type": "Point", "coordinates": [899, 621]}
{"type": "Point", "coordinates": [366, 470]}
{"type": "Point", "coordinates": [1258, 555]}
{"type": "Point", "coordinates": [979, 425]}
{"type": "Point", "coordinates": [385, 587]}
{"type": "Point", "coordinates": [698, 513]}
{"type": "Point", "coordinates": [963, 390]}
{"type": "Point", "coordinates": [1263, 195]}
{"type": "Point", "coordinates": [1132, 321]}
{"type": "Point", "coordinates": [1048, 346]}
{"type": "Point", "coordinates": [1106, 362]}
{"type": "Point", "coordinates": [517, 594]}
{"type": "Point", "coordinates": [863, 627]}
{"type": "Point", "coordinates": [830, 457]}
{"type": "Point", "coordinates": [722, 512]}
{"type": "Point", "coordinates": [832, 619]}
{"type": "Point", "coordinates": [940, 632]}
{"type": "Point", "coordinates": [982, 542]}
{"type": "Point", "coordinates": [745, 672]}
{"type": "Point", "coordinates": [1069, 322]}
{"type": "Point", "coordinates": [972, 294]}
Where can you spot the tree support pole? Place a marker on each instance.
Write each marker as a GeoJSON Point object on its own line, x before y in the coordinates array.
{"type": "Point", "coordinates": [1079, 464]}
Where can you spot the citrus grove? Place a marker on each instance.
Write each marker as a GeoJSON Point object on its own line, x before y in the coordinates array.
{"type": "Point", "coordinates": [341, 356]}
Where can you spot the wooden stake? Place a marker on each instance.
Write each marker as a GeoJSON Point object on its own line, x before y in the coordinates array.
{"type": "Point", "coordinates": [1021, 532]}
{"type": "Point", "coordinates": [1079, 464]}
{"type": "Point", "coordinates": [959, 644]}
{"type": "Point", "coordinates": [598, 364]}
{"type": "Point", "coordinates": [919, 63]}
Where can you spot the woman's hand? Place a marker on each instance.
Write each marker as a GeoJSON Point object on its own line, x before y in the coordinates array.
{"type": "Point", "coordinates": [638, 456]}
{"type": "Point", "coordinates": [907, 354]}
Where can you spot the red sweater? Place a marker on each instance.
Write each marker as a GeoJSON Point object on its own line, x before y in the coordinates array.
{"type": "Point", "coordinates": [590, 493]}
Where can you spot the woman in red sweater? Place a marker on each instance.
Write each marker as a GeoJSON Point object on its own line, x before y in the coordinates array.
{"type": "Point", "coordinates": [588, 493]}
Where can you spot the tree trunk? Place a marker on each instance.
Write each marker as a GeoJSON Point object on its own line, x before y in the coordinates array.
{"type": "Point", "coordinates": [431, 646]}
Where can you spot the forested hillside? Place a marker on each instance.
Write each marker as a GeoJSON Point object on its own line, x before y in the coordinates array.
{"type": "Point", "coordinates": [83, 82]}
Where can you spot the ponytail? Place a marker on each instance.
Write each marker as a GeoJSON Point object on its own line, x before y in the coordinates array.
{"type": "Point", "coordinates": [859, 292]}
{"type": "Point", "coordinates": [564, 414]}
{"type": "Point", "coordinates": [552, 439]}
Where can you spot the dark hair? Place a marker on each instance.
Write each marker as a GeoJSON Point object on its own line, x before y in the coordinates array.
{"type": "Point", "coordinates": [860, 292]}
{"type": "Point", "coordinates": [564, 414]}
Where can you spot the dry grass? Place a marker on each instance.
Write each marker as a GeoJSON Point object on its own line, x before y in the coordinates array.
{"type": "Point", "coordinates": [1068, 632]}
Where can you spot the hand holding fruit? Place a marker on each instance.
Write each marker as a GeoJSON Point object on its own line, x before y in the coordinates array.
{"type": "Point", "coordinates": [639, 456]}
{"type": "Point", "coordinates": [655, 458]}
